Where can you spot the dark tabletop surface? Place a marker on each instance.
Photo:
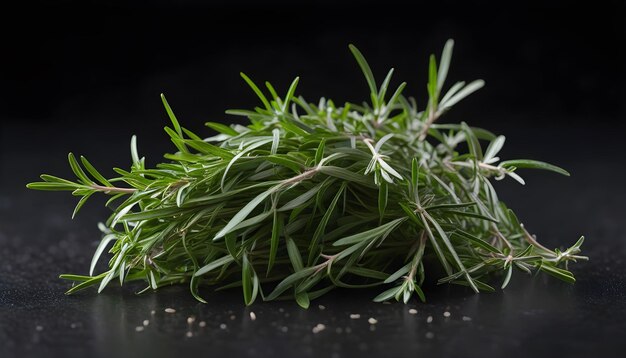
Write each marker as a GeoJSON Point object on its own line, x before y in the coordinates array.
{"type": "Point", "coordinates": [534, 316]}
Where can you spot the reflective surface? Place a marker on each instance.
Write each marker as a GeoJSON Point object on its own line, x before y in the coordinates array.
{"type": "Point", "coordinates": [534, 316]}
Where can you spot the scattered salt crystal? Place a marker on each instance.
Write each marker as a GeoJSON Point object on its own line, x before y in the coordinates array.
{"type": "Point", "coordinates": [430, 335]}
{"type": "Point", "coordinates": [284, 329]}
{"type": "Point", "coordinates": [139, 328]}
{"type": "Point", "coordinates": [321, 307]}
{"type": "Point", "coordinates": [466, 318]}
{"type": "Point", "coordinates": [202, 324]}
{"type": "Point", "coordinates": [232, 317]}
{"type": "Point", "coordinates": [74, 325]}
{"type": "Point", "coordinates": [372, 327]}
{"type": "Point", "coordinates": [223, 325]}
{"type": "Point", "coordinates": [429, 319]}
{"type": "Point", "coordinates": [152, 312]}
{"type": "Point", "coordinates": [39, 328]}
{"type": "Point", "coordinates": [372, 320]}
{"type": "Point", "coordinates": [146, 322]}
{"type": "Point", "coordinates": [412, 311]}
{"type": "Point", "coordinates": [446, 314]}
{"type": "Point", "coordinates": [170, 310]}
{"type": "Point", "coordinates": [189, 334]}
{"type": "Point", "coordinates": [355, 316]}
{"type": "Point", "coordinates": [191, 319]}
{"type": "Point", "coordinates": [281, 310]}
{"type": "Point", "coordinates": [319, 327]}
{"type": "Point", "coordinates": [252, 316]}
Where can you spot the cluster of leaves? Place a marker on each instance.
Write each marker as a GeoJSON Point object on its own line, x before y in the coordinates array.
{"type": "Point", "coordinates": [309, 197]}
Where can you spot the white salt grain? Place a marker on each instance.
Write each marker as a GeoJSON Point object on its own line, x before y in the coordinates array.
{"type": "Point", "coordinates": [39, 328]}
{"type": "Point", "coordinates": [412, 311]}
{"type": "Point", "coordinates": [191, 319]}
{"type": "Point", "coordinates": [372, 320]}
{"type": "Point", "coordinates": [318, 328]}
{"type": "Point", "coordinates": [429, 319]}
{"type": "Point", "coordinates": [466, 318]}
{"type": "Point", "coordinates": [252, 316]}
{"type": "Point", "coordinates": [139, 328]}
{"type": "Point", "coordinates": [223, 326]}
{"type": "Point", "coordinates": [189, 334]}
{"type": "Point", "coordinates": [355, 316]}
{"type": "Point", "coordinates": [170, 310]}
{"type": "Point", "coordinates": [284, 329]}
{"type": "Point", "coordinates": [430, 335]}
{"type": "Point", "coordinates": [232, 317]}
{"type": "Point", "coordinates": [153, 312]}
{"type": "Point", "coordinates": [202, 324]}
{"type": "Point", "coordinates": [146, 322]}
{"type": "Point", "coordinates": [321, 307]}
{"type": "Point", "coordinates": [446, 314]}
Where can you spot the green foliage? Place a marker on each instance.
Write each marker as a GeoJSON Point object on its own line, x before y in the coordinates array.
{"type": "Point", "coordinates": [312, 196]}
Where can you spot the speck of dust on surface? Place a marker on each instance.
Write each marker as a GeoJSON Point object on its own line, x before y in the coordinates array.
{"type": "Point", "coordinates": [319, 327]}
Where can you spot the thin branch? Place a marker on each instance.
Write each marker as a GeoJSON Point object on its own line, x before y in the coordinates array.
{"type": "Point", "coordinates": [112, 189]}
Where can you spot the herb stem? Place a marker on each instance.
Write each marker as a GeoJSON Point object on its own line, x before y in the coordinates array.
{"type": "Point", "coordinates": [112, 189]}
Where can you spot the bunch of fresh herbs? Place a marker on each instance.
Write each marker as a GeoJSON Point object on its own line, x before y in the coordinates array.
{"type": "Point", "coordinates": [312, 196]}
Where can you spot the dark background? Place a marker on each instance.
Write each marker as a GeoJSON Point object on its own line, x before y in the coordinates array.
{"type": "Point", "coordinates": [85, 76]}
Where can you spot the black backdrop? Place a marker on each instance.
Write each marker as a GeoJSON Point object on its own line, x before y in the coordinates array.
{"type": "Point", "coordinates": [59, 60]}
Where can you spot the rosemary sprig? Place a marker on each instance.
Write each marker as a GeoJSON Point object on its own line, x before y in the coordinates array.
{"type": "Point", "coordinates": [312, 196]}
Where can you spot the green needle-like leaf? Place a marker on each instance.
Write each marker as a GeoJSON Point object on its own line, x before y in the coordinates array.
{"type": "Point", "coordinates": [533, 164]}
{"type": "Point", "coordinates": [367, 71]}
